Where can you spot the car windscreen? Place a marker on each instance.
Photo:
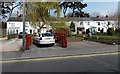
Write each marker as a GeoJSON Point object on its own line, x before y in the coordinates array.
{"type": "Point", "coordinates": [47, 34]}
{"type": "Point", "coordinates": [20, 32]}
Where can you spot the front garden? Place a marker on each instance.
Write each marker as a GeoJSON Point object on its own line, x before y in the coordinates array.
{"type": "Point", "coordinates": [111, 37]}
{"type": "Point", "coordinates": [112, 40]}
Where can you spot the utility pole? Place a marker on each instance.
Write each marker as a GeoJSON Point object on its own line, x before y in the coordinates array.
{"type": "Point", "coordinates": [23, 42]}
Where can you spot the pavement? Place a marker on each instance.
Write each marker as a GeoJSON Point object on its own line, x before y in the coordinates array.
{"type": "Point", "coordinates": [10, 45]}
{"type": "Point", "coordinates": [74, 48]}
{"type": "Point", "coordinates": [4, 38]}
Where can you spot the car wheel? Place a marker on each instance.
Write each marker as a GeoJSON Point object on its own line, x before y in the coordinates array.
{"type": "Point", "coordinates": [37, 44]}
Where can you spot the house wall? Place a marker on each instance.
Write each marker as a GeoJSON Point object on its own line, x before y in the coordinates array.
{"type": "Point", "coordinates": [86, 24]}
{"type": "Point", "coordinates": [92, 25]}
{"type": "Point", "coordinates": [13, 27]}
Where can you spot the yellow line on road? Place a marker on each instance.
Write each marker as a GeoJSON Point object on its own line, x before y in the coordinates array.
{"type": "Point", "coordinates": [63, 57]}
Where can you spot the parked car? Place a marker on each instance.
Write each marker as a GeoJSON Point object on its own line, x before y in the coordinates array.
{"type": "Point", "coordinates": [44, 38]}
{"type": "Point", "coordinates": [20, 35]}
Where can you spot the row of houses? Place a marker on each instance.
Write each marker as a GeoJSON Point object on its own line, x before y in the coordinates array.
{"type": "Point", "coordinates": [94, 24]}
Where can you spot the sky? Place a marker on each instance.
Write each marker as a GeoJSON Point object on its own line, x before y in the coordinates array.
{"type": "Point", "coordinates": [104, 8]}
{"type": "Point", "coordinates": [101, 7]}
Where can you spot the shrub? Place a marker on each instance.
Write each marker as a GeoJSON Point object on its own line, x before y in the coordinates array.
{"type": "Point", "coordinates": [72, 27]}
{"type": "Point", "coordinates": [101, 31]}
{"type": "Point", "coordinates": [110, 31]}
{"type": "Point", "coordinates": [117, 31]}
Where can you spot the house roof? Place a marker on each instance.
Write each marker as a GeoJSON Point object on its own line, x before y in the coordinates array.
{"type": "Point", "coordinates": [78, 19]}
{"type": "Point", "coordinates": [96, 19]}
{"type": "Point", "coordinates": [89, 19]}
{"type": "Point", "coordinates": [16, 19]}
{"type": "Point", "coordinates": [67, 19]}
{"type": "Point", "coordinates": [112, 19]}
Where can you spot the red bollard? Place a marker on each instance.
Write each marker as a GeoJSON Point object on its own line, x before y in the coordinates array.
{"type": "Point", "coordinates": [30, 39]}
{"type": "Point", "coordinates": [27, 41]}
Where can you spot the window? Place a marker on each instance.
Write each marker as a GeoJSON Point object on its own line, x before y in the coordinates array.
{"type": "Point", "coordinates": [26, 25]}
{"type": "Point", "coordinates": [108, 23]}
{"type": "Point", "coordinates": [17, 31]}
{"type": "Point", "coordinates": [88, 23]}
{"type": "Point", "coordinates": [98, 23]}
{"type": "Point", "coordinates": [99, 29]}
{"type": "Point", "coordinates": [81, 23]}
{"type": "Point", "coordinates": [47, 34]}
{"type": "Point", "coordinates": [26, 29]}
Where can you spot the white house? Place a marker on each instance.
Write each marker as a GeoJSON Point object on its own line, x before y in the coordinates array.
{"type": "Point", "coordinates": [94, 24]}
{"type": "Point", "coordinates": [15, 26]}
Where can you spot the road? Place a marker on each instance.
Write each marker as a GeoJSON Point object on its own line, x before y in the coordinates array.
{"type": "Point", "coordinates": [102, 63]}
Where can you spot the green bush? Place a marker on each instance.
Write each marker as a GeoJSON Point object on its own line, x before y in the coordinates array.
{"type": "Point", "coordinates": [117, 31]}
{"type": "Point", "coordinates": [107, 37]}
{"type": "Point", "coordinates": [76, 35]}
{"type": "Point", "coordinates": [72, 27]}
{"type": "Point", "coordinates": [69, 35]}
{"type": "Point", "coordinates": [110, 31]}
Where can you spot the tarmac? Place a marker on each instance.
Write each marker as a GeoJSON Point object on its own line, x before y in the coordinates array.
{"type": "Point", "coordinates": [74, 48]}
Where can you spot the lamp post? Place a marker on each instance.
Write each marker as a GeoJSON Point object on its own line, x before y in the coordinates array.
{"type": "Point", "coordinates": [23, 42]}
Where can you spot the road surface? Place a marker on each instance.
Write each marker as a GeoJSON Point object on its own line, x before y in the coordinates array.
{"type": "Point", "coordinates": [102, 63]}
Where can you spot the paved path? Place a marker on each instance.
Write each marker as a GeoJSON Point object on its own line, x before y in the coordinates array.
{"type": "Point", "coordinates": [55, 51]}
{"type": "Point", "coordinates": [10, 45]}
{"type": "Point", "coordinates": [86, 44]}
{"type": "Point", "coordinates": [10, 49]}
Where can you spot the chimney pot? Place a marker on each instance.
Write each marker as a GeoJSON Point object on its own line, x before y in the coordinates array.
{"type": "Point", "coordinates": [97, 16]}
{"type": "Point", "coordinates": [106, 16]}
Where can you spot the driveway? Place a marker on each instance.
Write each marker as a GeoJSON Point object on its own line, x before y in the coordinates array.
{"type": "Point", "coordinates": [10, 45]}
{"type": "Point", "coordinates": [16, 44]}
{"type": "Point", "coordinates": [86, 44]}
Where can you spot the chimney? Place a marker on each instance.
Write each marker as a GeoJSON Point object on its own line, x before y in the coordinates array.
{"type": "Point", "coordinates": [97, 16]}
{"type": "Point", "coordinates": [106, 16]}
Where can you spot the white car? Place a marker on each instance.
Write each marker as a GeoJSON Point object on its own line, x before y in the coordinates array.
{"type": "Point", "coordinates": [44, 38]}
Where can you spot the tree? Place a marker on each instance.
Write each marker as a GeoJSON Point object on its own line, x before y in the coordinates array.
{"type": "Point", "coordinates": [72, 27]}
{"type": "Point", "coordinates": [59, 25]}
{"type": "Point", "coordinates": [40, 11]}
{"type": "Point", "coordinates": [78, 14]}
{"type": "Point", "coordinates": [7, 9]}
{"type": "Point", "coordinates": [73, 5]}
